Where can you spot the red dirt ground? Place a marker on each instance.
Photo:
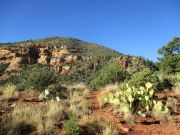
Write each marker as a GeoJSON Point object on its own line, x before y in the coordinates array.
{"type": "Point", "coordinates": [148, 126]}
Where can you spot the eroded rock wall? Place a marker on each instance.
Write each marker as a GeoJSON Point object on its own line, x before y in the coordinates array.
{"type": "Point", "coordinates": [21, 57]}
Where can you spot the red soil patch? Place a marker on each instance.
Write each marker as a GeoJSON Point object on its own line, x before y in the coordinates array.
{"type": "Point", "coordinates": [143, 126]}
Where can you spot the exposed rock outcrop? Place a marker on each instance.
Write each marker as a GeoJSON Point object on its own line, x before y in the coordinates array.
{"type": "Point", "coordinates": [56, 61]}
{"type": "Point", "coordinates": [24, 56]}
{"type": "Point", "coordinates": [18, 61]}
{"type": "Point", "coordinates": [4, 51]}
{"type": "Point", "coordinates": [6, 55]}
{"type": "Point", "coordinates": [71, 59]}
{"type": "Point", "coordinates": [122, 61]}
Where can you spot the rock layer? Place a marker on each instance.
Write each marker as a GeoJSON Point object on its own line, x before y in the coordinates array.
{"type": "Point", "coordinates": [20, 57]}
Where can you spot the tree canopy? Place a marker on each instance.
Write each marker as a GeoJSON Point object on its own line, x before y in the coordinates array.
{"type": "Point", "coordinates": [170, 62]}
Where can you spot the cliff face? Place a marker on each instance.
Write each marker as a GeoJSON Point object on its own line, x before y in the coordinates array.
{"type": "Point", "coordinates": [39, 55]}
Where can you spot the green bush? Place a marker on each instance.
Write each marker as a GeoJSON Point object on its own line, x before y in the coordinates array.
{"type": "Point", "coordinates": [37, 77]}
{"type": "Point", "coordinates": [169, 63]}
{"type": "Point", "coordinates": [3, 67]}
{"type": "Point", "coordinates": [173, 78]}
{"type": "Point", "coordinates": [141, 78]}
{"type": "Point", "coordinates": [71, 126]}
{"type": "Point", "coordinates": [169, 81]}
{"type": "Point", "coordinates": [111, 73]}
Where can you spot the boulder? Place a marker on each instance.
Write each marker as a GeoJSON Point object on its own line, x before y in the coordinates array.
{"type": "Point", "coordinates": [53, 61]}
{"type": "Point", "coordinates": [59, 52]}
{"type": "Point", "coordinates": [65, 51]}
{"type": "Point", "coordinates": [43, 59]}
{"type": "Point", "coordinates": [4, 51]}
{"type": "Point", "coordinates": [44, 56]}
{"type": "Point", "coordinates": [14, 65]}
{"type": "Point", "coordinates": [18, 62]}
{"type": "Point", "coordinates": [69, 59]}
{"type": "Point", "coordinates": [56, 61]}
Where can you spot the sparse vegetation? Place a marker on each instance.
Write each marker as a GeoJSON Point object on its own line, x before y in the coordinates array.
{"type": "Point", "coordinates": [3, 67]}
{"type": "Point", "coordinates": [161, 112]}
{"type": "Point", "coordinates": [110, 130]}
{"type": "Point", "coordinates": [37, 78]}
{"type": "Point", "coordinates": [78, 102]}
{"type": "Point", "coordinates": [105, 91]}
{"type": "Point", "coordinates": [111, 73]}
{"type": "Point", "coordinates": [127, 86]}
{"type": "Point", "coordinates": [42, 117]}
{"type": "Point", "coordinates": [9, 91]}
{"type": "Point", "coordinates": [71, 126]}
{"type": "Point", "coordinates": [141, 78]}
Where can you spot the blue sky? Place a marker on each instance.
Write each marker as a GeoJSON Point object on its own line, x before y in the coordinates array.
{"type": "Point", "coordinates": [136, 27]}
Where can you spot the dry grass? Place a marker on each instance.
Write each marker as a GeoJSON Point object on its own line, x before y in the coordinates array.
{"type": "Point", "coordinates": [78, 102]}
{"type": "Point", "coordinates": [110, 87]}
{"type": "Point", "coordinates": [29, 93]}
{"type": "Point", "coordinates": [81, 88]}
{"type": "Point", "coordinates": [43, 116]}
{"type": "Point", "coordinates": [177, 89]}
{"type": "Point", "coordinates": [9, 91]}
{"type": "Point", "coordinates": [129, 118]}
{"type": "Point", "coordinates": [172, 103]}
{"type": "Point", "coordinates": [53, 110]}
{"type": "Point", "coordinates": [104, 91]}
{"type": "Point", "coordinates": [85, 119]}
{"type": "Point", "coordinates": [98, 127]}
{"type": "Point", "coordinates": [110, 130]}
{"type": "Point", "coordinates": [164, 118]}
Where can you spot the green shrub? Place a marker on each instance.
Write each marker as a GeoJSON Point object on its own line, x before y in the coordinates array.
{"type": "Point", "coordinates": [169, 81]}
{"type": "Point", "coordinates": [36, 77]}
{"type": "Point", "coordinates": [165, 84]}
{"type": "Point", "coordinates": [3, 67]}
{"type": "Point", "coordinates": [169, 63]}
{"type": "Point", "coordinates": [71, 126]}
{"type": "Point", "coordinates": [141, 78]}
{"type": "Point", "coordinates": [173, 78]}
{"type": "Point", "coordinates": [111, 73]}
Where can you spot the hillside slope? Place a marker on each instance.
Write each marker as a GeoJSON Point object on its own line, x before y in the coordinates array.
{"type": "Point", "coordinates": [75, 60]}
